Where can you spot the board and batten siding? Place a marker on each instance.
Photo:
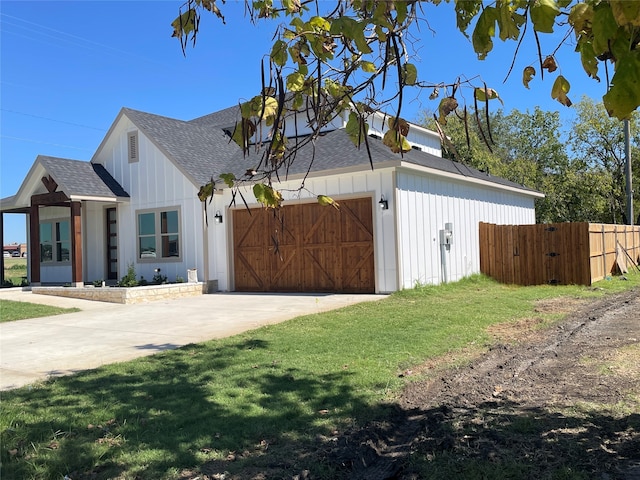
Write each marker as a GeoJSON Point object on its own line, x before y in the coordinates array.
{"type": "Point", "coordinates": [347, 185]}
{"type": "Point", "coordinates": [153, 182]}
{"type": "Point", "coordinates": [426, 203]}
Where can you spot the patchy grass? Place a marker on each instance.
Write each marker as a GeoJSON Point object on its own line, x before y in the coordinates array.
{"type": "Point", "coordinates": [258, 399]}
{"type": "Point", "coordinates": [15, 270]}
{"type": "Point", "coordinates": [10, 310]}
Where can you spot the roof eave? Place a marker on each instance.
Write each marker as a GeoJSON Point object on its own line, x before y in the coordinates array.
{"type": "Point", "coordinates": [477, 181]}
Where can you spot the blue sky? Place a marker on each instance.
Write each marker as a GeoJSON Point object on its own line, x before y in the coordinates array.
{"type": "Point", "coordinates": [67, 67]}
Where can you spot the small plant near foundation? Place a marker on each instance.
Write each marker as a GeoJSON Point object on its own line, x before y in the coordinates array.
{"type": "Point", "coordinates": [158, 278]}
{"type": "Point", "coordinates": [179, 279]}
{"type": "Point", "coordinates": [98, 283]}
{"type": "Point", "coordinates": [129, 280]}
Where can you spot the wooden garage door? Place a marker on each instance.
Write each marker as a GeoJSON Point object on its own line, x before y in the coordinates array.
{"type": "Point", "coordinates": [305, 248]}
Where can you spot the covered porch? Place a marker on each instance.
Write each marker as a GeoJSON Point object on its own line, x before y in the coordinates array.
{"type": "Point", "coordinates": [53, 196]}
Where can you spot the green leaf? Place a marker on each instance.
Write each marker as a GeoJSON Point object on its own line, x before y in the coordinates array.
{"type": "Point", "coordinates": [466, 11]}
{"type": "Point", "coordinates": [243, 131]}
{"type": "Point", "coordinates": [396, 142]}
{"type": "Point", "coordinates": [228, 178]}
{"type": "Point", "coordinates": [295, 82]}
{"type": "Point", "coordinates": [560, 89]}
{"type": "Point", "coordinates": [527, 75]}
{"type": "Point", "coordinates": [327, 201]}
{"type": "Point", "coordinates": [626, 12]}
{"type": "Point", "coordinates": [588, 58]}
{"type": "Point", "coordinates": [356, 128]}
{"type": "Point", "coordinates": [292, 6]}
{"type": "Point", "coordinates": [604, 28]}
{"type": "Point", "coordinates": [509, 22]}
{"type": "Point", "coordinates": [184, 24]}
{"type": "Point", "coordinates": [206, 191]}
{"type": "Point", "coordinates": [580, 17]}
{"type": "Point", "coordinates": [368, 67]}
{"type": "Point", "coordinates": [401, 11]}
{"type": "Point", "coordinates": [409, 74]}
{"type": "Point", "coordinates": [623, 98]}
{"type": "Point", "coordinates": [484, 94]}
{"type": "Point", "coordinates": [319, 24]}
{"type": "Point", "coordinates": [267, 196]}
{"type": "Point", "coordinates": [279, 54]}
{"type": "Point", "coordinates": [483, 32]}
{"type": "Point", "coordinates": [543, 15]}
{"type": "Point", "coordinates": [298, 24]}
{"type": "Point", "coordinates": [351, 29]}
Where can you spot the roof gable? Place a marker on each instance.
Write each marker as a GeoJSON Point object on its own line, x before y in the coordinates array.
{"type": "Point", "coordinates": [77, 179]}
{"type": "Point", "coordinates": [197, 150]}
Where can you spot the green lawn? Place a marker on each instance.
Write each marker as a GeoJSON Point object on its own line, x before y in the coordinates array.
{"type": "Point", "coordinates": [258, 396]}
{"type": "Point", "coordinates": [15, 270]}
{"type": "Point", "coordinates": [10, 310]}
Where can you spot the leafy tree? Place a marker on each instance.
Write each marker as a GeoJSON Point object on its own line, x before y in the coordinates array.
{"type": "Point", "coordinates": [466, 142]}
{"type": "Point", "coordinates": [530, 148]}
{"type": "Point", "coordinates": [598, 141]}
{"type": "Point", "coordinates": [353, 55]}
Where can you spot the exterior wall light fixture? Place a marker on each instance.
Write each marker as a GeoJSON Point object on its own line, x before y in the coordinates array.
{"type": "Point", "coordinates": [218, 217]}
{"type": "Point", "coordinates": [384, 204]}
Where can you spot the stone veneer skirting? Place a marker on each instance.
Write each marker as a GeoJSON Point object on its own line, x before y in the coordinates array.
{"type": "Point", "coordinates": [129, 295]}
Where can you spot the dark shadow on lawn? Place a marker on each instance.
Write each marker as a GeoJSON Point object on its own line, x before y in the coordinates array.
{"type": "Point", "coordinates": [159, 347]}
{"type": "Point", "coordinates": [165, 404]}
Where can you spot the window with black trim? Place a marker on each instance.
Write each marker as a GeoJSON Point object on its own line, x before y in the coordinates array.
{"type": "Point", "coordinates": [159, 234]}
{"type": "Point", "coordinates": [55, 241]}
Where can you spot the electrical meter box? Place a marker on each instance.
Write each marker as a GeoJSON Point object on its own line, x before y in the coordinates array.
{"type": "Point", "coordinates": [446, 235]}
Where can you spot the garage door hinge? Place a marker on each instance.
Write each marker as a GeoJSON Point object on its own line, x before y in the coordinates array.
{"type": "Point", "coordinates": [553, 254]}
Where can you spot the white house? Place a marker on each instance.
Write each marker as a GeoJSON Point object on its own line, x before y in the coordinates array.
{"type": "Point", "coordinates": [412, 219]}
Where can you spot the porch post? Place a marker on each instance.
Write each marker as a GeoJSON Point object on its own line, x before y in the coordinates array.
{"type": "Point", "coordinates": [76, 244]}
{"type": "Point", "coordinates": [2, 239]}
{"type": "Point", "coordinates": [34, 243]}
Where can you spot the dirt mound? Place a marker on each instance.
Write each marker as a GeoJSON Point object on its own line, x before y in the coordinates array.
{"type": "Point", "coordinates": [559, 400]}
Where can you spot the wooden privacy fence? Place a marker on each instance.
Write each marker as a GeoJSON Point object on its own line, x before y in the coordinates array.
{"type": "Point", "coordinates": [557, 253]}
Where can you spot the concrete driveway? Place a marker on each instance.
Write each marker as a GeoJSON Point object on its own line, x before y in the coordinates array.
{"type": "Point", "coordinates": [102, 333]}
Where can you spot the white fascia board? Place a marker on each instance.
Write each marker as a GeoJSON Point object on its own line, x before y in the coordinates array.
{"type": "Point", "coordinates": [382, 117]}
{"type": "Point", "coordinates": [94, 158]}
{"type": "Point", "coordinates": [89, 198]}
{"type": "Point", "coordinates": [325, 173]}
{"type": "Point", "coordinates": [464, 179]}
{"type": "Point", "coordinates": [29, 184]}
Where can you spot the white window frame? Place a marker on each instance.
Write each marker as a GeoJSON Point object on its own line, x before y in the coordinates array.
{"type": "Point", "coordinates": [133, 147]}
{"type": "Point", "coordinates": [56, 242]}
{"type": "Point", "coordinates": [158, 234]}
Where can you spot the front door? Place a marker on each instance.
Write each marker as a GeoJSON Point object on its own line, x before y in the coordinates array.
{"type": "Point", "coordinates": [112, 245]}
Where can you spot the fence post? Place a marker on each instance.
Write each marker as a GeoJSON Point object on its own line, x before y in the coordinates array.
{"type": "Point", "coordinates": [604, 252]}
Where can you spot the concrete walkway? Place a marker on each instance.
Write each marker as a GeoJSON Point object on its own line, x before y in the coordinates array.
{"type": "Point", "coordinates": [102, 333]}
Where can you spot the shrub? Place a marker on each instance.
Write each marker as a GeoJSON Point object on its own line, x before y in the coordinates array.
{"type": "Point", "coordinates": [129, 280]}
{"type": "Point", "coordinates": [179, 279]}
{"type": "Point", "coordinates": [158, 278]}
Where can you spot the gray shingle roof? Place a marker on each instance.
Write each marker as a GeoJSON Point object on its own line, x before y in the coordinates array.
{"type": "Point", "coordinates": [203, 150]}
{"type": "Point", "coordinates": [335, 150]}
{"type": "Point", "coordinates": [224, 118]}
{"type": "Point", "coordinates": [79, 178]}
{"type": "Point", "coordinates": [199, 150]}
